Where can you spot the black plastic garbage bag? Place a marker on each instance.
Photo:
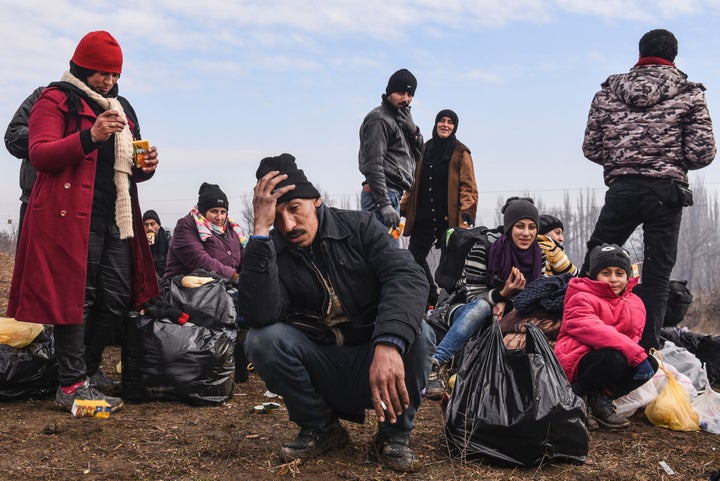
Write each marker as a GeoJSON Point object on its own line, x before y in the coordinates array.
{"type": "Point", "coordinates": [514, 407]}
{"type": "Point", "coordinates": [704, 347]}
{"type": "Point", "coordinates": [212, 300]}
{"type": "Point", "coordinates": [29, 372]}
{"type": "Point", "coordinates": [164, 361]}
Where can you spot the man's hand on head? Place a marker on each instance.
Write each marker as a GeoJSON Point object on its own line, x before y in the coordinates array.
{"type": "Point", "coordinates": [387, 383]}
{"type": "Point", "coordinates": [265, 196]}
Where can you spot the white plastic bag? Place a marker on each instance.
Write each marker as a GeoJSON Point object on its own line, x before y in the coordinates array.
{"type": "Point", "coordinates": [707, 405]}
{"type": "Point", "coordinates": [639, 398]}
{"type": "Point", "coordinates": [685, 363]}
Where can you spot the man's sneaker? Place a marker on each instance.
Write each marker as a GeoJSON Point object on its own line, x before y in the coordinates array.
{"type": "Point", "coordinates": [436, 384]}
{"type": "Point", "coordinates": [395, 452]}
{"type": "Point", "coordinates": [603, 410]}
{"type": "Point", "coordinates": [105, 384]}
{"type": "Point", "coordinates": [86, 393]}
{"type": "Point", "coordinates": [312, 442]}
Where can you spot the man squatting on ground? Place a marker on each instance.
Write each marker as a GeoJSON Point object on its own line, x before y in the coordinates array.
{"type": "Point", "coordinates": [335, 313]}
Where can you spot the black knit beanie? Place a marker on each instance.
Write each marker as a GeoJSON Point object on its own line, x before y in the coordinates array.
{"type": "Point", "coordinates": [151, 214]}
{"type": "Point", "coordinates": [285, 163]}
{"type": "Point", "coordinates": [211, 196]}
{"type": "Point", "coordinates": [609, 255]}
{"type": "Point", "coordinates": [548, 223]}
{"type": "Point", "coordinates": [517, 208]}
{"type": "Point", "coordinates": [401, 81]}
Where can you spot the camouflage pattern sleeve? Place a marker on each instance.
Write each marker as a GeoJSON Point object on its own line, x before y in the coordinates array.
{"type": "Point", "coordinates": [699, 141]}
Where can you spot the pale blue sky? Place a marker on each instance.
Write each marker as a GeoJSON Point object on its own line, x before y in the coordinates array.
{"type": "Point", "coordinates": [220, 84]}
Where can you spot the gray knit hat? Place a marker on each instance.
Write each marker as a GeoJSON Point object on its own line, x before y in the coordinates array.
{"type": "Point", "coordinates": [609, 255]}
{"type": "Point", "coordinates": [517, 208]}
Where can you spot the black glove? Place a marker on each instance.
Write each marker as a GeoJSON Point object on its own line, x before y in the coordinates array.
{"type": "Point", "coordinates": [390, 216]}
{"type": "Point", "coordinates": [468, 220]}
{"type": "Point", "coordinates": [404, 118]}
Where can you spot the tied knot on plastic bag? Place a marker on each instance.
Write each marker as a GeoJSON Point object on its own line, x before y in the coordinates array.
{"type": "Point", "coordinates": [672, 409]}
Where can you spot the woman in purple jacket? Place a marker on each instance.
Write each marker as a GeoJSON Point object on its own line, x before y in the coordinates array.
{"type": "Point", "coordinates": [206, 238]}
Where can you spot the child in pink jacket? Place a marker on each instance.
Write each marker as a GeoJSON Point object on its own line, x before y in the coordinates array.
{"type": "Point", "coordinates": [598, 342]}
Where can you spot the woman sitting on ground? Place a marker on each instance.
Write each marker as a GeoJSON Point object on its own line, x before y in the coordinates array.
{"type": "Point", "coordinates": [550, 237]}
{"type": "Point", "coordinates": [206, 239]}
{"type": "Point", "coordinates": [492, 276]}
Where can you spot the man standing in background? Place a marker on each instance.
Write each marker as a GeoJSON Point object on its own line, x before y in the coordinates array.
{"type": "Point", "coordinates": [16, 142]}
{"type": "Point", "coordinates": [390, 144]}
{"type": "Point", "coordinates": [647, 128]}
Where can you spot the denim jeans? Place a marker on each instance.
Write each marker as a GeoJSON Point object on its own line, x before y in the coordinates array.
{"type": "Point", "coordinates": [368, 203]}
{"type": "Point", "coordinates": [629, 202]}
{"type": "Point", "coordinates": [318, 382]}
{"type": "Point", "coordinates": [466, 321]}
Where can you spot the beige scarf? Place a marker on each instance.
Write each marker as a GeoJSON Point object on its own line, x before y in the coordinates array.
{"type": "Point", "coordinates": [123, 157]}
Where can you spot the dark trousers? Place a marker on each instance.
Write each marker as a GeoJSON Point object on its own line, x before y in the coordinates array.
{"type": "Point", "coordinates": [607, 370]}
{"type": "Point", "coordinates": [424, 235]}
{"type": "Point", "coordinates": [629, 202]}
{"type": "Point", "coordinates": [79, 348]}
{"type": "Point", "coordinates": [23, 209]}
{"type": "Point", "coordinates": [319, 382]}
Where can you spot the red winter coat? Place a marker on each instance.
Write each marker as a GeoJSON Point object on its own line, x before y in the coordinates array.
{"type": "Point", "coordinates": [594, 317]}
{"type": "Point", "coordinates": [48, 284]}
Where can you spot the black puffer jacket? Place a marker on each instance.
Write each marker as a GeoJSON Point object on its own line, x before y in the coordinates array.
{"type": "Point", "coordinates": [381, 288]}
{"type": "Point", "coordinates": [16, 142]}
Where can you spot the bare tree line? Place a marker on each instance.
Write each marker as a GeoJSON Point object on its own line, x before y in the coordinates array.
{"type": "Point", "coordinates": [698, 259]}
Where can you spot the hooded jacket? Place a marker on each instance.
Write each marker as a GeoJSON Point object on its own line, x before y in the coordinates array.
{"type": "Point", "coordinates": [594, 317]}
{"type": "Point", "coordinates": [651, 121]}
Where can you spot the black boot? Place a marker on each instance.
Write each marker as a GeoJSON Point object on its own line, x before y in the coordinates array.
{"type": "Point", "coordinates": [312, 442]}
{"type": "Point", "coordinates": [603, 410]}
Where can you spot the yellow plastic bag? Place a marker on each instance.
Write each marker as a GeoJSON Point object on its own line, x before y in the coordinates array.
{"type": "Point", "coordinates": [16, 333]}
{"type": "Point", "coordinates": [672, 409]}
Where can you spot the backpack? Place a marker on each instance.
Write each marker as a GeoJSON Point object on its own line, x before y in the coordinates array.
{"type": "Point", "coordinates": [454, 248]}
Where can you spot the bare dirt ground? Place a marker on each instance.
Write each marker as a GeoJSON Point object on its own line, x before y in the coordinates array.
{"type": "Point", "coordinates": [171, 441]}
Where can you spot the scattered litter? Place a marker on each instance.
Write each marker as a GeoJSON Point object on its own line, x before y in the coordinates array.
{"type": "Point", "coordinates": [266, 407]}
{"type": "Point", "coordinates": [98, 408]}
{"type": "Point", "coordinates": [667, 468]}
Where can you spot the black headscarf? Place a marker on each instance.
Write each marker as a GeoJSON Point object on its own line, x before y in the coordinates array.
{"type": "Point", "coordinates": [439, 150]}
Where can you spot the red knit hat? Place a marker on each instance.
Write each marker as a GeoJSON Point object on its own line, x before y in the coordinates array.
{"type": "Point", "coordinates": [99, 51]}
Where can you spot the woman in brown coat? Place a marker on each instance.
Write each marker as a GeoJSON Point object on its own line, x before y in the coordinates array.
{"type": "Point", "coordinates": [444, 194]}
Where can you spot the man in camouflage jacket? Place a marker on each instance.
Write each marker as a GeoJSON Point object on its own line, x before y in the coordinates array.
{"type": "Point", "coordinates": [647, 128]}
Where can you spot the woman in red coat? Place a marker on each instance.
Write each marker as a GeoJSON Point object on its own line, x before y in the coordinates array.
{"type": "Point", "coordinates": [598, 342]}
{"type": "Point", "coordinates": [83, 259]}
